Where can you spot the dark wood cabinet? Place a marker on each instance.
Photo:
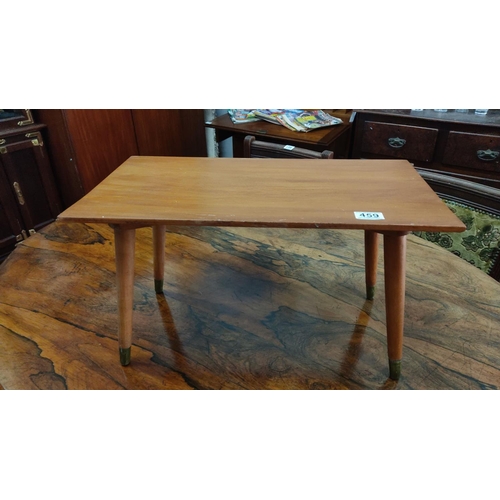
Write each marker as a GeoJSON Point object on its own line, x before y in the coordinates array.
{"type": "Point", "coordinates": [464, 145]}
{"type": "Point", "coordinates": [86, 145]}
{"type": "Point", "coordinates": [29, 199]}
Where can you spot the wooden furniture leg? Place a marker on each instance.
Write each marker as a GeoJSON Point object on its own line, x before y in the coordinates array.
{"type": "Point", "coordinates": [238, 145]}
{"type": "Point", "coordinates": [125, 254]}
{"type": "Point", "coordinates": [394, 265]}
{"type": "Point", "coordinates": [159, 256]}
{"type": "Point", "coordinates": [371, 259]}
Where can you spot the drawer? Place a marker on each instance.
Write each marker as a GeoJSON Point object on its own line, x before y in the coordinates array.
{"type": "Point", "coordinates": [399, 141]}
{"type": "Point", "coordinates": [478, 151]}
{"type": "Point", "coordinates": [9, 141]}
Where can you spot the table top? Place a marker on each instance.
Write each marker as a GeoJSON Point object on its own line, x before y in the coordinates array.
{"type": "Point", "coordinates": [323, 136]}
{"type": "Point", "coordinates": [246, 192]}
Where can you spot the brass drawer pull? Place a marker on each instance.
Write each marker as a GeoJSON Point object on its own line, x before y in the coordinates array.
{"type": "Point", "coordinates": [487, 154]}
{"type": "Point", "coordinates": [36, 138]}
{"type": "Point", "coordinates": [396, 142]}
{"type": "Point", "coordinates": [17, 189]}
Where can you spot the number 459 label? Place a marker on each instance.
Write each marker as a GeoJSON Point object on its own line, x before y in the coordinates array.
{"type": "Point", "coordinates": [369, 215]}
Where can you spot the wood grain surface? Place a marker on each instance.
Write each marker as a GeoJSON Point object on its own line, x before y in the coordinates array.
{"type": "Point", "coordinates": [243, 308]}
{"type": "Point", "coordinates": [265, 192]}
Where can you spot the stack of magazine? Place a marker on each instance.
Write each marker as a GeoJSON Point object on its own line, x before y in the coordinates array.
{"type": "Point", "coordinates": [298, 120]}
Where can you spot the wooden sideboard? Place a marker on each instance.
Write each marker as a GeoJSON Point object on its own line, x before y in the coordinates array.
{"type": "Point", "coordinates": [462, 144]}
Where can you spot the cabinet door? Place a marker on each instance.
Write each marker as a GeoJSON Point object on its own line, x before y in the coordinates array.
{"type": "Point", "coordinates": [11, 231]}
{"type": "Point", "coordinates": [31, 182]}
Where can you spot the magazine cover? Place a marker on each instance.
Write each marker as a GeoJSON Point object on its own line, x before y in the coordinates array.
{"type": "Point", "coordinates": [242, 115]}
{"type": "Point", "coordinates": [315, 119]}
{"type": "Point", "coordinates": [273, 115]}
{"type": "Point", "coordinates": [270, 115]}
{"type": "Point", "coordinates": [288, 121]}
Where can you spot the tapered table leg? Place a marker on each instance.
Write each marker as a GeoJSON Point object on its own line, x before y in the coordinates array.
{"type": "Point", "coordinates": [394, 265]}
{"type": "Point", "coordinates": [125, 254]}
{"type": "Point", "coordinates": [159, 256]}
{"type": "Point", "coordinates": [371, 259]}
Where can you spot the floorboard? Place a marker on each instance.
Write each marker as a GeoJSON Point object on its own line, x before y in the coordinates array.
{"type": "Point", "coordinates": [243, 308]}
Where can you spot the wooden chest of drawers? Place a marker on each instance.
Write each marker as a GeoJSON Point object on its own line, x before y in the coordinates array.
{"type": "Point", "coordinates": [463, 144]}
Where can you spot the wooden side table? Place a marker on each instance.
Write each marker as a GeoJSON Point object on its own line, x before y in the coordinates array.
{"type": "Point", "coordinates": [375, 196]}
{"type": "Point", "coordinates": [335, 138]}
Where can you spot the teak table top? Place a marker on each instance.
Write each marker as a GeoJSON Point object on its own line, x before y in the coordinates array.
{"type": "Point", "coordinates": [265, 192]}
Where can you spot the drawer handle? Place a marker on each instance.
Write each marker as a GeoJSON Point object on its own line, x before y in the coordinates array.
{"type": "Point", "coordinates": [17, 189]}
{"type": "Point", "coordinates": [487, 154]}
{"type": "Point", "coordinates": [396, 142]}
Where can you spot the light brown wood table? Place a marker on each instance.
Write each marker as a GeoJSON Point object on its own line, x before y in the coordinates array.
{"type": "Point", "coordinates": [160, 191]}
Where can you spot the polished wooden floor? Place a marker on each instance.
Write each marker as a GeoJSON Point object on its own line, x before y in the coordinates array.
{"type": "Point", "coordinates": [243, 309]}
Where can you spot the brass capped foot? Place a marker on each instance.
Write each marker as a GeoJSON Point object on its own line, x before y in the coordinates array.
{"type": "Point", "coordinates": [159, 286]}
{"type": "Point", "coordinates": [370, 292]}
{"type": "Point", "coordinates": [125, 356]}
{"type": "Point", "coordinates": [394, 369]}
